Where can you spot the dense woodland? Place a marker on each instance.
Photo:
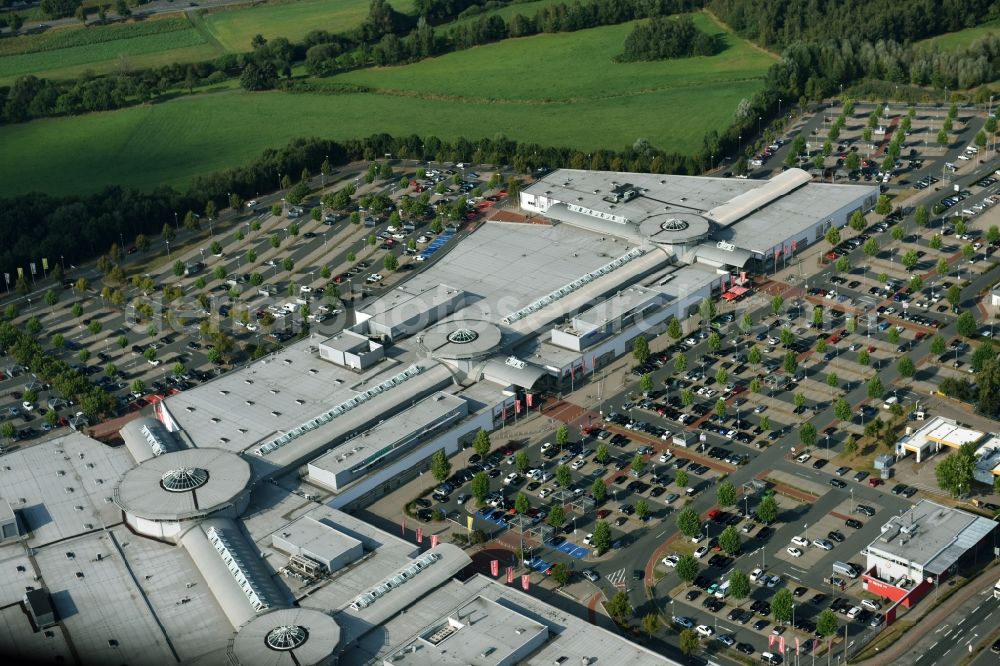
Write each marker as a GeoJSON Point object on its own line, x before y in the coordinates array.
{"type": "Point", "coordinates": [667, 37]}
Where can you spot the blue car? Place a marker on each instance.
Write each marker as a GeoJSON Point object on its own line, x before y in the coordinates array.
{"type": "Point", "coordinates": [884, 325]}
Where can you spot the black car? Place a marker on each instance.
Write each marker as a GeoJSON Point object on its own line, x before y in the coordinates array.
{"type": "Point", "coordinates": [692, 595]}
{"type": "Point", "coordinates": [761, 607]}
{"type": "Point", "coordinates": [838, 483]}
{"type": "Point", "coordinates": [702, 583]}
{"type": "Point", "coordinates": [712, 604]}
{"type": "Point", "coordinates": [856, 524]}
{"type": "Point", "coordinates": [866, 510]}
{"type": "Point", "coordinates": [909, 492]}
{"type": "Point", "coordinates": [746, 648]}
{"type": "Point", "coordinates": [818, 598]}
{"type": "Point", "coordinates": [995, 648]}
{"type": "Point", "coordinates": [760, 624]}
{"type": "Point", "coordinates": [834, 535]}
{"type": "Point", "coordinates": [799, 591]}
{"type": "Point", "coordinates": [718, 561]}
{"type": "Point", "coordinates": [899, 488]}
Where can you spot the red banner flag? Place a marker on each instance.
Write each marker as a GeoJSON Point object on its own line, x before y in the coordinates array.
{"type": "Point", "coordinates": [796, 645]}
{"type": "Point", "coordinates": [593, 362]}
{"type": "Point", "coordinates": [770, 641]}
{"type": "Point", "coordinates": [510, 574]}
{"type": "Point", "coordinates": [503, 414]}
{"type": "Point", "coordinates": [743, 276]}
{"type": "Point", "coordinates": [420, 535]}
{"type": "Point", "coordinates": [494, 568]}
{"type": "Point", "coordinates": [525, 582]}
{"type": "Point", "coordinates": [793, 246]}
{"type": "Point", "coordinates": [434, 540]}
{"type": "Point", "coordinates": [530, 399]}
{"type": "Point", "coordinates": [517, 406]}
{"type": "Point", "coordinates": [403, 527]}
{"type": "Point", "coordinates": [781, 644]}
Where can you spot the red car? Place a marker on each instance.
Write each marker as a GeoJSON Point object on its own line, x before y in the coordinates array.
{"type": "Point", "coordinates": [834, 340]}
{"type": "Point", "coordinates": [871, 349]}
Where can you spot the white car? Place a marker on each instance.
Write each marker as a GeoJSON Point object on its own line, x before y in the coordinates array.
{"type": "Point", "coordinates": [544, 492]}
{"type": "Point", "coordinates": [803, 458]}
{"type": "Point", "coordinates": [701, 552]}
{"type": "Point", "coordinates": [578, 463]}
{"type": "Point", "coordinates": [705, 630]}
{"type": "Point", "coordinates": [665, 457]}
{"type": "Point", "coordinates": [510, 478]}
{"type": "Point", "coordinates": [391, 229]}
{"type": "Point", "coordinates": [670, 561]}
{"type": "Point", "coordinates": [423, 239]}
{"type": "Point", "coordinates": [27, 406]}
{"type": "Point", "coordinates": [153, 361]}
{"type": "Point", "coordinates": [588, 540]}
{"type": "Point", "coordinates": [772, 581]}
{"type": "Point", "coordinates": [853, 613]}
{"type": "Point", "coordinates": [757, 575]}
{"type": "Point", "coordinates": [546, 446]}
{"type": "Point", "coordinates": [305, 289]}
{"type": "Point", "coordinates": [251, 203]}
{"type": "Point", "coordinates": [374, 277]}
{"type": "Point", "coordinates": [399, 236]}
{"type": "Point", "coordinates": [800, 541]}
{"type": "Point", "coordinates": [759, 408]}
{"type": "Point", "coordinates": [794, 552]}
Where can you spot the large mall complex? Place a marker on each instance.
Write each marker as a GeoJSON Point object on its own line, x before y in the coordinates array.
{"type": "Point", "coordinates": [204, 540]}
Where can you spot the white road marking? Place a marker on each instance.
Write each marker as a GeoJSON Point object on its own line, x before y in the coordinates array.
{"type": "Point", "coordinates": [962, 621]}
{"type": "Point", "coordinates": [988, 616]}
{"type": "Point", "coordinates": [661, 534]}
{"type": "Point", "coordinates": [950, 631]}
{"type": "Point", "coordinates": [977, 608]}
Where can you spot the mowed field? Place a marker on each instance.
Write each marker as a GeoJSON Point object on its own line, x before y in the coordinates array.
{"type": "Point", "coordinates": [560, 90]}
{"type": "Point", "coordinates": [70, 51]}
{"type": "Point", "coordinates": [951, 41]}
{"type": "Point", "coordinates": [293, 20]}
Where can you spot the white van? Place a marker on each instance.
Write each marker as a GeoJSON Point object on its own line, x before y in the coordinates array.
{"type": "Point", "coordinates": [722, 591]}
{"type": "Point", "coordinates": [889, 402]}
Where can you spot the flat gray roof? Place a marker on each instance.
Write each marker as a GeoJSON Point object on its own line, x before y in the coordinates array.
{"type": "Point", "coordinates": [939, 535]}
{"type": "Point", "coordinates": [63, 486]}
{"type": "Point", "coordinates": [792, 214]}
{"type": "Point", "coordinates": [618, 304]}
{"type": "Point", "coordinates": [308, 533]}
{"type": "Point", "coordinates": [571, 639]}
{"type": "Point", "coordinates": [411, 421]}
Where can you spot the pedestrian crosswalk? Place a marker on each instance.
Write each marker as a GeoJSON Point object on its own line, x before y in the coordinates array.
{"type": "Point", "coordinates": [617, 578]}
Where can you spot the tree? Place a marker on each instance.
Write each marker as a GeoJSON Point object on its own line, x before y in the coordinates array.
{"type": "Point", "coordinates": [603, 454]}
{"type": "Point", "coordinates": [83, 355]}
{"type": "Point", "coordinates": [765, 423]}
{"type": "Point", "coordinates": [95, 327]}
{"type": "Point", "coordinates": [791, 364]}
{"type": "Point", "coordinates": [562, 436]}
{"type": "Point", "coordinates": [481, 444]}
{"type": "Point", "coordinates": [776, 304]}
{"type": "Point", "coordinates": [729, 540]}
{"type": "Point", "coordinates": [906, 367]}
{"type": "Point", "coordinates": [781, 605]}
{"type": "Point", "coordinates": [857, 221]}
{"type": "Point", "coordinates": [863, 357]}
{"type": "Point", "coordinates": [76, 310]}
{"type": "Point", "coordinates": [522, 461]}
{"type": "Point", "coordinates": [674, 328]}
{"type": "Point", "coordinates": [602, 537]}
{"type": "Point", "coordinates": [871, 247]}
{"type": "Point", "coordinates": [936, 242]}
{"type": "Point", "coordinates": [646, 383]}
{"type": "Point", "coordinates": [640, 350]}
{"type": "Point", "coordinates": [739, 584]}
{"type": "Point", "coordinates": [833, 236]}
{"type": "Point", "coordinates": [786, 336]}
{"type": "Point", "coordinates": [178, 369]}
{"type": "Point", "coordinates": [178, 268]}
{"type": "Point", "coordinates": [563, 476]}
{"type": "Point", "coordinates": [756, 386]}
{"type": "Point", "coordinates": [561, 574]}
{"type": "Point", "coordinates": [557, 516]}
{"type": "Point", "coordinates": [817, 316]}
{"type": "Point", "coordinates": [850, 445]}
{"type": "Point", "coordinates": [681, 479]}
{"type": "Point", "coordinates": [875, 388]}
{"type": "Point", "coordinates": [921, 216]}
{"type": "Point", "coordinates": [689, 642]}
{"type": "Point", "coordinates": [680, 363]}
{"type": "Point", "coordinates": [521, 504]}
{"type": "Point", "coordinates": [138, 386]}
{"type": "Point", "coordinates": [754, 356]}
{"type": "Point", "coordinates": [440, 466]}
{"type": "Point", "coordinates": [687, 568]}
{"type": "Point", "coordinates": [842, 409]}
{"type": "Point", "coordinates": [480, 487]}
{"type": "Point", "coordinates": [893, 336]}
{"type": "Point", "coordinates": [7, 430]}
{"type": "Point", "coordinates": [807, 434]}
{"type": "Point", "coordinates": [832, 380]}
{"type": "Point", "coordinates": [687, 397]}
{"type": "Point", "coordinates": [638, 464]}
{"type": "Point", "coordinates": [721, 376]}
{"type": "Point", "coordinates": [599, 490]}
{"type": "Point", "coordinates": [993, 234]}
{"type": "Point", "coordinates": [965, 325]}
{"type": "Point", "coordinates": [706, 309]}
{"type": "Point", "coordinates": [967, 251]}
{"type": "Point", "coordinates": [910, 258]}
{"type": "Point", "coordinates": [942, 138]}
{"type": "Point", "coordinates": [942, 267]}
{"type": "Point", "coordinates": [916, 283]}
{"type": "Point", "coordinates": [650, 623]}
{"type": "Point", "coordinates": [390, 262]}
{"type": "Point", "coordinates": [714, 342]}
{"type": "Point", "coordinates": [826, 623]}
{"type": "Point", "coordinates": [641, 509]}
{"type": "Point", "coordinates": [955, 473]}
{"type": "Point", "coordinates": [768, 509]}
{"type": "Point", "coordinates": [58, 341]}
{"type": "Point", "coordinates": [34, 326]}
{"type": "Point", "coordinates": [937, 345]}
{"type": "Point", "coordinates": [688, 521]}
{"type": "Point", "coordinates": [619, 608]}
{"type": "Point", "coordinates": [954, 295]}
{"type": "Point", "coordinates": [720, 408]}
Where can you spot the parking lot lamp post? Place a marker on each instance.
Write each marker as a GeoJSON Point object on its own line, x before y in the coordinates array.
{"type": "Point", "coordinates": [168, 248]}
{"type": "Point", "coordinates": [202, 255]}
{"type": "Point", "coordinates": [176, 225]}
{"type": "Point", "coordinates": [852, 500]}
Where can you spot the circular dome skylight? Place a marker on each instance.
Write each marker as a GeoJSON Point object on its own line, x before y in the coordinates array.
{"type": "Point", "coordinates": [184, 479]}
{"type": "Point", "coordinates": [673, 224]}
{"type": "Point", "coordinates": [462, 336]}
{"type": "Point", "coordinates": [286, 637]}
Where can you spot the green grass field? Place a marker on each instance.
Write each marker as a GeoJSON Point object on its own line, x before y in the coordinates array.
{"type": "Point", "coordinates": [70, 51]}
{"type": "Point", "coordinates": [951, 41]}
{"type": "Point", "coordinates": [294, 20]}
{"type": "Point", "coordinates": [552, 89]}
